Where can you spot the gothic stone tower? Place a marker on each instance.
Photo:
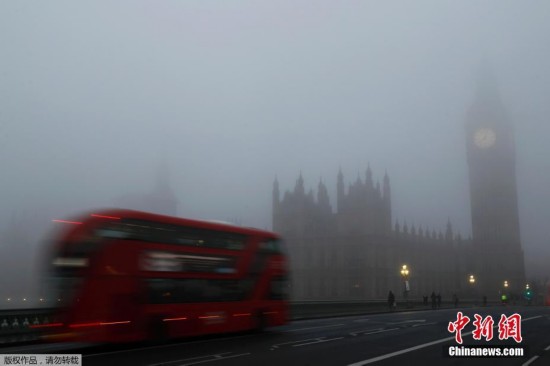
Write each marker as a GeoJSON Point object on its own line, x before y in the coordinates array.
{"type": "Point", "coordinates": [493, 192]}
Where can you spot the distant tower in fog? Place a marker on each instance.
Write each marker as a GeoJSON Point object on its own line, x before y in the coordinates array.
{"type": "Point", "coordinates": [161, 200]}
{"type": "Point", "coordinates": [493, 191]}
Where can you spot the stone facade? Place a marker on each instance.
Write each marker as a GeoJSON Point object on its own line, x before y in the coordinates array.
{"type": "Point", "coordinates": [355, 253]}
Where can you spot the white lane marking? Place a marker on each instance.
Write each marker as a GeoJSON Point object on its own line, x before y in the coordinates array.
{"type": "Point", "coordinates": [531, 360]}
{"type": "Point", "coordinates": [216, 357]}
{"type": "Point", "coordinates": [364, 330]}
{"type": "Point", "coordinates": [371, 331]}
{"type": "Point", "coordinates": [410, 349]}
{"type": "Point", "coordinates": [547, 348]}
{"type": "Point", "coordinates": [380, 331]}
{"type": "Point", "coordinates": [189, 359]}
{"type": "Point", "coordinates": [533, 317]}
{"type": "Point", "coordinates": [421, 325]}
{"type": "Point", "coordinates": [303, 340]}
{"type": "Point", "coordinates": [397, 353]}
{"type": "Point", "coordinates": [319, 341]}
{"type": "Point", "coordinates": [409, 321]}
{"type": "Point", "coordinates": [322, 326]}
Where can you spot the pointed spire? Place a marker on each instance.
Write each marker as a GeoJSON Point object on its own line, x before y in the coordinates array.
{"type": "Point", "coordinates": [322, 195]}
{"type": "Point", "coordinates": [340, 191]}
{"type": "Point", "coordinates": [387, 189]}
{"type": "Point", "coordinates": [487, 90]}
{"type": "Point", "coordinates": [299, 188]}
{"type": "Point", "coordinates": [369, 180]}
{"type": "Point", "coordinates": [487, 106]}
{"type": "Point", "coordinates": [449, 231]}
{"type": "Point", "coordinates": [276, 193]}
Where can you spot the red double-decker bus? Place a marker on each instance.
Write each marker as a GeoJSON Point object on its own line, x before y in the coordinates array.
{"type": "Point", "coordinates": [127, 276]}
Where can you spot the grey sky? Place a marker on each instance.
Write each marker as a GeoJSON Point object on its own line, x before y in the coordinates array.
{"type": "Point", "coordinates": [95, 95]}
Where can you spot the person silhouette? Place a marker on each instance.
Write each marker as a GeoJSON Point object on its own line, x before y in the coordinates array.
{"type": "Point", "coordinates": [391, 300]}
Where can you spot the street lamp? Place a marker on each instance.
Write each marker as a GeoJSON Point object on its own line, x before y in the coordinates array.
{"type": "Point", "coordinates": [504, 297]}
{"type": "Point", "coordinates": [472, 281]}
{"type": "Point", "coordinates": [405, 275]}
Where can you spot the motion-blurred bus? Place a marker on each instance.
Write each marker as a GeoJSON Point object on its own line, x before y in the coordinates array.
{"type": "Point", "coordinates": [127, 276]}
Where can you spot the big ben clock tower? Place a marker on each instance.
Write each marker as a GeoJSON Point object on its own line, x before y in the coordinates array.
{"type": "Point", "coordinates": [493, 193]}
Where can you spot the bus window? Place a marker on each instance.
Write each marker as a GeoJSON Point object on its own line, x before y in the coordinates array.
{"type": "Point", "coordinates": [190, 290]}
{"type": "Point", "coordinates": [272, 246]}
{"type": "Point", "coordinates": [171, 234]}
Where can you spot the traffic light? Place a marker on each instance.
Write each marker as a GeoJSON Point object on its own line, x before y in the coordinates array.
{"type": "Point", "coordinates": [528, 294]}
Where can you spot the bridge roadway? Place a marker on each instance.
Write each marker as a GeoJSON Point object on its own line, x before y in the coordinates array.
{"type": "Point", "coordinates": [404, 338]}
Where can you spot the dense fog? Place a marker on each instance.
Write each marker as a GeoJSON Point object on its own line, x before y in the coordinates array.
{"type": "Point", "coordinates": [101, 102]}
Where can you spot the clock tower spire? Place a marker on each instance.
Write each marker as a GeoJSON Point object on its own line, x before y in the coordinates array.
{"type": "Point", "coordinates": [493, 191]}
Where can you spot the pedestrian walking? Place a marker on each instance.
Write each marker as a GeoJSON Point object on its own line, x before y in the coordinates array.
{"type": "Point", "coordinates": [391, 300]}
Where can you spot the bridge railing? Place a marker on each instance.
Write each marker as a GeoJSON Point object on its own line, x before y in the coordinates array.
{"type": "Point", "coordinates": [319, 309]}
{"type": "Point", "coordinates": [23, 325]}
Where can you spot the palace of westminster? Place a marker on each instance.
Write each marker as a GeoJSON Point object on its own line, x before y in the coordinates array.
{"type": "Point", "coordinates": [356, 252]}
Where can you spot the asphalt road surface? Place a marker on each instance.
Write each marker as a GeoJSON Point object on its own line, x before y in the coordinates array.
{"type": "Point", "coordinates": [404, 338]}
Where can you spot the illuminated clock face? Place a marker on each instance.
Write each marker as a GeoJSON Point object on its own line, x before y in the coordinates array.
{"type": "Point", "coordinates": [484, 137]}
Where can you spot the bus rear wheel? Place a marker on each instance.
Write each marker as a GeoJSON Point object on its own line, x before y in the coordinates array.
{"type": "Point", "coordinates": [261, 321]}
